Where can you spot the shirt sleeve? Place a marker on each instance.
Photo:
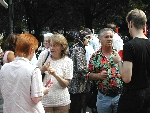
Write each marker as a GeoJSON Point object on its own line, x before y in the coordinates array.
{"type": "Point", "coordinates": [68, 69]}
{"type": "Point", "coordinates": [128, 52]}
{"type": "Point", "coordinates": [91, 65]}
{"type": "Point", "coordinates": [80, 60]}
{"type": "Point", "coordinates": [37, 84]}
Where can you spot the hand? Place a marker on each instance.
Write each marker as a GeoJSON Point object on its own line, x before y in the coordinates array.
{"type": "Point", "coordinates": [46, 67]}
{"type": "Point", "coordinates": [103, 75]}
{"type": "Point", "coordinates": [45, 90]}
{"type": "Point", "coordinates": [116, 58]}
{"type": "Point", "coordinates": [52, 71]}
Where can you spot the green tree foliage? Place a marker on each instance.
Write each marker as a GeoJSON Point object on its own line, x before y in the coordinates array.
{"type": "Point", "coordinates": [48, 15]}
{"type": "Point", "coordinates": [4, 25]}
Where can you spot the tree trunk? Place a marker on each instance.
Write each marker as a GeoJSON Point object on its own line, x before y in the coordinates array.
{"type": "Point", "coordinates": [88, 18]}
{"type": "Point", "coordinates": [37, 34]}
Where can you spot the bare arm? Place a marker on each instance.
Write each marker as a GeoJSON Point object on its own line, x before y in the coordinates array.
{"type": "Point", "coordinates": [98, 76]}
{"type": "Point", "coordinates": [10, 56]}
{"type": "Point", "coordinates": [37, 99]}
{"type": "Point", "coordinates": [63, 82]}
{"type": "Point", "coordinates": [125, 70]}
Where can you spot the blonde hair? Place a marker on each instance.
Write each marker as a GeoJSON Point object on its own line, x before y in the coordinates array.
{"type": "Point", "coordinates": [24, 43]}
{"type": "Point", "coordinates": [137, 17]}
{"type": "Point", "coordinates": [58, 38]}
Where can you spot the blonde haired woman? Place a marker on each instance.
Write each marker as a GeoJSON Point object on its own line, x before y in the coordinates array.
{"type": "Point", "coordinates": [58, 68]}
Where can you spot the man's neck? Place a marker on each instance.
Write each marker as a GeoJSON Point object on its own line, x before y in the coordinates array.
{"type": "Point", "coordinates": [138, 34]}
{"type": "Point", "coordinates": [107, 50]}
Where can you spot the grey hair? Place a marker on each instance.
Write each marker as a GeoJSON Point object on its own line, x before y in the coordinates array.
{"type": "Point", "coordinates": [101, 32]}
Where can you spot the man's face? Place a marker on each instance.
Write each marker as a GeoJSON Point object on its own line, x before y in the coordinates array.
{"type": "Point", "coordinates": [107, 39]}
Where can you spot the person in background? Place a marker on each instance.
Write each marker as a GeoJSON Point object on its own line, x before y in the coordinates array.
{"type": "Point", "coordinates": [117, 41]}
{"type": "Point", "coordinates": [105, 72]}
{"type": "Point", "coordinates": [44, 49]}
{"type": "Point", "coordinates": [92, 46]}
{"type": "Point", "coordinates": [94, 42]}
{"type": "Point", "coordinates": [89, 51]}
{"type": "Point", "coordinates": [45, 42]}
{"type": "Point", "coordinates": [59, 69]}
{"type": "Point", "coordinates": [9, 48]}
{"type": "Point", "coordinates": [46, 46]}
{"type": "Point", "coordinates": [77, 87]}
{"type": "Point", "coordinates": [8, 56]}
{"type": "Point", "coordinates": [135, 68]}
{"type": "Point", "coordinates": [21, 82]}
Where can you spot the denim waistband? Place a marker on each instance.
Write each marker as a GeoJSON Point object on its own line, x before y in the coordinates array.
{"type": "Point", "coordinates": [112, 94]}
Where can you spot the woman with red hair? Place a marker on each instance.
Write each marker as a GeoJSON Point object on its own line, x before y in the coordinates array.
{"type": "Point", "coordinates": [20, 81]}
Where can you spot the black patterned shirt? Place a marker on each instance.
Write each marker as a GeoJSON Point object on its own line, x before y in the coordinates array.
{"type": "Point", "coordinates": [78, 84]}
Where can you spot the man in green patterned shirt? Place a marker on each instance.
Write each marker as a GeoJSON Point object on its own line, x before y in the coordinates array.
{"type": "Point", "coordinates": [104, 71]}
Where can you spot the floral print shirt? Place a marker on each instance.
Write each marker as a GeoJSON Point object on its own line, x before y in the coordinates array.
{"type": "Point", "coordinates": [99, 62]}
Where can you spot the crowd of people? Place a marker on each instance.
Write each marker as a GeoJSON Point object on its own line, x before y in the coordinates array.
{"type": "Point", "coordinates": [58, 78]}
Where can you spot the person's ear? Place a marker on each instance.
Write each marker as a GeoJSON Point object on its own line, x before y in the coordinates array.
{"type": "Point", "coordinates": [130, 24]}
{"type": "Point", "coordinates": [99, 38]}
{"type": "Point", "coordinates": [31, 50]}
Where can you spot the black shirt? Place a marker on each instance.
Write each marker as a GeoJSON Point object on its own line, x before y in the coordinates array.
{"type": "Point", "coordinates": [137, 51]}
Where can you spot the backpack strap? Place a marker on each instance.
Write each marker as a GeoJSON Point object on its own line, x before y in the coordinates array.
{"type": "Point", "coordinates": [46, 58]}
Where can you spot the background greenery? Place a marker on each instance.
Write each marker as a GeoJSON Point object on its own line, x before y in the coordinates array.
{"type": "Point", "coordinates": [68, 15]}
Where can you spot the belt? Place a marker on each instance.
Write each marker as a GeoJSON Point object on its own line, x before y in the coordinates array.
{"type": "Point", "coordinates": [109, 94]}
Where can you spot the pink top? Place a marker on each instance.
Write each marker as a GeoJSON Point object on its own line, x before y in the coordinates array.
{"type": "Point", "coordinates": [5, 57]}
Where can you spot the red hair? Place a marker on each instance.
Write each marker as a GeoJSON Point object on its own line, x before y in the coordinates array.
{"type": "Point", "coordinates": [24, 43]}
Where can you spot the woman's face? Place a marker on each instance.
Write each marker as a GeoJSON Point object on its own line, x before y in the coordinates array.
{"type": "Point", "coordinates": [86, 40]}
{"type": "Point", "coordinates": [55, 49]}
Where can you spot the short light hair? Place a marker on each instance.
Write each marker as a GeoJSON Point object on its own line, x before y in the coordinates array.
{"type": "Point", "coordinates": [101, 32]}
{"type": "Point", "coordinates": [137, 17]}
{"type": "Point", "coordinates": [58, 38]}
{"type": "Point", "coordinates": [48, 35]}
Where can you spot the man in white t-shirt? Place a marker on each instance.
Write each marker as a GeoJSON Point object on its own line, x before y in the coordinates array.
{"type": "Point", "coordinates": [94, 42]}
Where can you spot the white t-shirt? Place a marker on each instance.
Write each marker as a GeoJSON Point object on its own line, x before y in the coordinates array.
{"type": "Point", "coordinates": [89, 51]}
{"type": "Point", "coordinates": [57, 95]}
{"type": "Point", "coordinates": [94, 42]}
{"type": "Point", "coordinates": [117, 42]}
{"type": "Point", "coordinates": [19, 82]}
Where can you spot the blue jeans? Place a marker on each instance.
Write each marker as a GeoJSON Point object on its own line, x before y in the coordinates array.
{"type": "Point", "coordinates": [107, 104]}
